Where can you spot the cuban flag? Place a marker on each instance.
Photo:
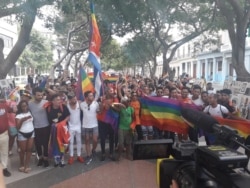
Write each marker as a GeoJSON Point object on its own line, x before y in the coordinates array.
{"type": "Point", "coordinates": [94, 52]}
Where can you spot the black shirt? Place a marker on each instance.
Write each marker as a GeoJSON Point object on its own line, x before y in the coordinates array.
{"type": "Point", "coordinates": [58, 114]}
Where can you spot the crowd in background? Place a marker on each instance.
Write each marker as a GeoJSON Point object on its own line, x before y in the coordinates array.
{"type": "Point", "coordinates": [43, 113]}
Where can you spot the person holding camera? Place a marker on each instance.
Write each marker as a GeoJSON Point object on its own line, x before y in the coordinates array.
{"type": "Point", "coordinates": [25, 136]}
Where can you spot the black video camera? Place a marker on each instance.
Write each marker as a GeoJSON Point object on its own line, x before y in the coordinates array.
{"type": "Point", "coordinates": [216, 166]}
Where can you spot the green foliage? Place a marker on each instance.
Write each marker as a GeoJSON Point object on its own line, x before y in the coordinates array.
{"type": "Point", "coordinates": [170, 23]}
{"type": "Point", "coordinates": [141, 49]}
{"type": "Point", "coordinates": [112, 56]}
{"type": "Point", "coordinates": [38, 53]}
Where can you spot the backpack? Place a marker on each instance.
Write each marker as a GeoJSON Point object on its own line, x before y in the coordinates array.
{"type": "Point", "coordinates": [223, 115]}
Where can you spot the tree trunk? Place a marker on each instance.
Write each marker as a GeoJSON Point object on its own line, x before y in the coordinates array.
{"type": "Point", "coordinates": [23, 40]}
{"type": "Point", "coordinates": [237, 22]}
{"type": "Point", "coordinates": [238, 57]}
{"type": "Point", "coordinates": [166, 68]}
{"type": "Point", "coordinates": [154, 66]}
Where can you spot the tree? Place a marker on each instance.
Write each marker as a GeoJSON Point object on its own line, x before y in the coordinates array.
{"type": "Point", "coordinates": [112, 56]}
{"type": "Point", "coordinates": [37, 54]}
{"type": "Point", "coordinates": [72, 29]}
{"type": "Point", "coordinates": [162, 19]}
{"type": "Point", "coordinates": [143, 50]}
{"type": "Point", "coordinates": [25, 12]}
{"type": "Point", "coordinates": [237, 18]}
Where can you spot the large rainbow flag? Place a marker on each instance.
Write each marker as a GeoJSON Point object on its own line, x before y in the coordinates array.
{"type": "Point", "coordinates": [163, 113]}
{"type": "Point", "coordinates": [243, 127]}
{"type": "Point", "coordinates": [83, 84]}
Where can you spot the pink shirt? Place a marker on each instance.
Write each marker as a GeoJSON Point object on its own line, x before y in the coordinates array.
{"type": "Point", "coordinates": [4, 109]}
{"type": "Point", "coordinates": [12, 116]}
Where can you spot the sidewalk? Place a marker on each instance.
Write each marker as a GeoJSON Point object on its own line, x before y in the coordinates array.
{"type": "Point", "coordinates": [110, 174]}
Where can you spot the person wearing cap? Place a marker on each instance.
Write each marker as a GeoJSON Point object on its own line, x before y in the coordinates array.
{"type": "Point", "coordinates": [74, 126]}
{"type": "Point", "coordinates": [4, 137]}
{"type": "Point", "coordinates": [25, 95]}
{"type": "Point", "coordinates": [69, 86]}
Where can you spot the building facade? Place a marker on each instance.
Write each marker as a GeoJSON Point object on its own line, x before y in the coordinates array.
{"type": "Point", "coordinates": [213, 62]}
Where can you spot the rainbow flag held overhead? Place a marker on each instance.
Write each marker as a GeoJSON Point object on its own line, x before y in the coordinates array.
{"type": "Point", "coordinates": [83, 84]}
{"type": "Point", "coordinates": [163, 113]}
{"type": "Point", "coordinates": [94, 52]}
{"type": "Point", "coordinates": [14, 95]}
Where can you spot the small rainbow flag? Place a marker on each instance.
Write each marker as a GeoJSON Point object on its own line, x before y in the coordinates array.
{"type": "Point", "coordinates": [163, 113]}
{"type": "Point", "coordinates": [14, 95]}
{"type": "Point", "coordinates": [84, 84]}
{"type": "Point", "coordinates": [111, 117]}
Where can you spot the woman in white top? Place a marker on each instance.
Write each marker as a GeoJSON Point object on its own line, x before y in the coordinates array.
{"type": "Point", "coordinates": [25, 137]}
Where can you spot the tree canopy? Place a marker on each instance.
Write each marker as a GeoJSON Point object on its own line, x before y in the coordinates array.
{"type": "Point", "coordinates": [172, 23]}
{"type": "Point", "coordinates": [37, 54]}
{"type": "Point", "coordinates": [169, 23]}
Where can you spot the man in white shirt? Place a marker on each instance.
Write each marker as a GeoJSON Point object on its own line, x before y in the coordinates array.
{"type": "Point", "coordinates": [215, 109]}
{"type": "Point", "coordinates": [74, 125]}
{"type": "Point", "coordinates": [90, 108]}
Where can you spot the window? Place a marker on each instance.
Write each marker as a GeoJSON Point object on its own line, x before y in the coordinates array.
{"type": "Point", "coordinates": [8, 41]}
{"type": "Point", "coordinates": [219, 65]}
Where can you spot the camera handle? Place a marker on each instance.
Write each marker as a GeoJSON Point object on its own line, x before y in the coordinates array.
{"type": "Point", "coordinates": [234, 139]}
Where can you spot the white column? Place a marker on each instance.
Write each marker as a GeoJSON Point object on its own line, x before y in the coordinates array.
{"type": "Point", "coordinates": [186, 68]}
{"type": "Point", "coordinates": [198, 72]}
{"type": "Point", "coordinates": [214, 68]}
{"type": "Point", "coordinates": [206, 69]}
{"type": "Point", "coordinates": [225, 68]}
{"type": "Point", "coordinates": [191, 68]}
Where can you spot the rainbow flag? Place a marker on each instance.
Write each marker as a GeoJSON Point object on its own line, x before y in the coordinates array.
{"type": "Point", "coordinates": [111, 78]}
{"type": "Point", "coordinates": [112, 118]}
{"type": "Point", "coordinates": [94, 52]}
{"type": "Point", "coordinates": [243, 127]}
{"type": "Point", "coordinates": [83, 84]}
{"type": "Point", "coordinates": [14, 95]}
{"type": "Point", "coordinates": [163, 113]}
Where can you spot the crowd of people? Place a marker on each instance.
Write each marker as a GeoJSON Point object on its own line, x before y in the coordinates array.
{"type": "Point", "coordinates": [53, 119]}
